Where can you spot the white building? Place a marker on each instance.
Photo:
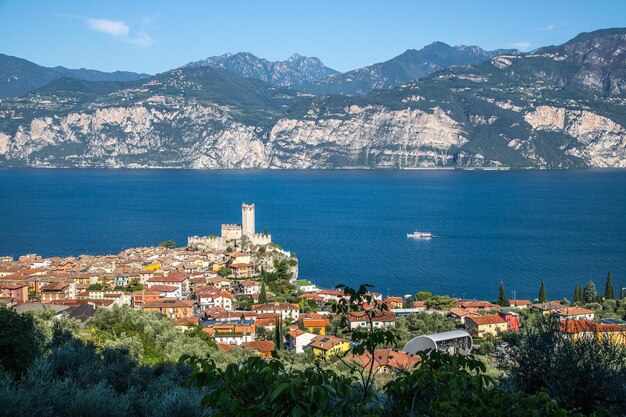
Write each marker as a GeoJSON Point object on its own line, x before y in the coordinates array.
{"type": "Point", "coordinates": [297, 339]}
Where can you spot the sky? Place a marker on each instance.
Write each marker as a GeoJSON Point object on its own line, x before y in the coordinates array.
{"type": "Point", "coordinates": [155, 36]}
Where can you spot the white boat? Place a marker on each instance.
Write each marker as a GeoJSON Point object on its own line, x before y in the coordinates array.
{"type": "Point", "coordinates": [419, 235]}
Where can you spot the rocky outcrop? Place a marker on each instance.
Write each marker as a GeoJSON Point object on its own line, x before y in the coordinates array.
{"type": "Point", "coordinates": [602, 141]}
{"type": "Point", "coordinates": [366, 136]}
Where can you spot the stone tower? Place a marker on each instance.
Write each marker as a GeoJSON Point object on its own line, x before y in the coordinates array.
{"type": "Point", "coordinates": [247, 219]}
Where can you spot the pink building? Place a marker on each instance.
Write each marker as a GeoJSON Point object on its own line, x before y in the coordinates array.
{"type": "Point", "coordinates": [512, 320]}
{"type": "Point", "coordinates": [17, 291]}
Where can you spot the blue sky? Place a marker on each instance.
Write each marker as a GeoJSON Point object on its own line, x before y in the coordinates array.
{"type": "Point", "coordinates": [154, 36]}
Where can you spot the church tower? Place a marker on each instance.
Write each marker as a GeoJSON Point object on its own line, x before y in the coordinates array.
{"type": "Point", "coordinates": [247, 219]}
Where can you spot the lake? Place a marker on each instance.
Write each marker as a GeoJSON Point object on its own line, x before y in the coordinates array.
{"type": "Point", "coordinates": [522, 227]}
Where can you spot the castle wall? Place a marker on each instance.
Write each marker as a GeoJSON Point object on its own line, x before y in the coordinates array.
{"type": "Point", "coordinates": [206, 243]}
{"type": "Point", "coordinates": [231, 231]}
{"type": "Point", "coordinates": [259, 238]}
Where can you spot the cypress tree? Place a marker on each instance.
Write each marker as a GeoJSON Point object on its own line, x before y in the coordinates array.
{"type": "Point", "coordinates": [576, 295]}
{"type": "Point", "coordinates": [609, 293]}
{"type": "Point", "coordinates": [278, 335]}
{"type": "Point", "coordinates": [542, 293]}
{"type": "Point", "coordinates": [589, 293]}
{"type": "Point", "coordinates": [621, 292]}
{"type": "Point", "coordinates": [502, 300]}
{"type": "Point", "coordinates": [263, 294]}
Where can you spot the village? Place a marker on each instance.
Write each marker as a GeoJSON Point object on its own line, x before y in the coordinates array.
{"type": "Point", "coordinates": [243, 290]}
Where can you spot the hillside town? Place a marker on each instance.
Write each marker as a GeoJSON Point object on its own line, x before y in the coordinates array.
{"type": "Point", "coordinates": [243, 290]}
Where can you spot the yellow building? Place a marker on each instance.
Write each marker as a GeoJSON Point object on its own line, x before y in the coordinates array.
{"type": "Point", "coordinates": [153, 267]}
{"type": "Point", "coordinates": [482, 326]}
{"type": "Point", "coordinates": [326, 347]}
{"type": "Point", "coordinates": [585, 328]}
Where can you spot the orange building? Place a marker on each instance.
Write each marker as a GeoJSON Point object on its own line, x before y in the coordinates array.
{"type": "Point", "coordinates": [263, 347]}
{"type": "Point", "coordinates": [231, 332]}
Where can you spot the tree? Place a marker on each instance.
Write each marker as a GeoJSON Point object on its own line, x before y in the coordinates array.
{"type": "Point", "coordinates": [542, 293]}
{"type": "Point", "coordinates": [278, 334]}
{"type": "Point", "coordinates": [589, 293]}
{"type": "Point", "coordinates": [540, 358]}
{"type": "Point", "coordinates": [263, 294]}
{"type": "Point", "coordinates": [502, 300]}
{"type": "Point", "coordinates": [575, 298]}
{"type": "Point", "coordinates": [169, 244]}
{"type": "Point", "coordinates": [609, 293]}
{"type": "Point", "coordinates": [423, 295]}
{"type": "Point", "coordinates": [440, 302]}
{"type": "Point", "coordinates": [20, 342]}
{"type": "Point", "coordinates": [224, 272]}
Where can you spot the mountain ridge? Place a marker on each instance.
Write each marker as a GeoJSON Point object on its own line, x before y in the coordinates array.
{"type": "Point", "coordinates": [19, 76]}
{"type": "Point", "coordinates": [561, 107]}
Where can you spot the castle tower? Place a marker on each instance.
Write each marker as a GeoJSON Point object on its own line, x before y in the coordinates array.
{"type": "Point", "coordinates": [247, 219]}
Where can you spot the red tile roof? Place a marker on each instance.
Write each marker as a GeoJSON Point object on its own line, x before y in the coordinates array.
{"type": "Point", "coordinates": [488, 319]}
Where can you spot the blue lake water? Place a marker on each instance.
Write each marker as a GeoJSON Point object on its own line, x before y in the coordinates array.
{"type": "Point", "coordinates": [522, 227]}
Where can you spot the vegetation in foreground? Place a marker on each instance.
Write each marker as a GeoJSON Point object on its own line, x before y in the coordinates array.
{"type": "Point", "coordinates": [126, 363]}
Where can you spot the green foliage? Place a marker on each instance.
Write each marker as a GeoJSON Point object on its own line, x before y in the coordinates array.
{"type": "Point", "coordinates": [542, 358]}
{"type": "Point", "coordinates": [263, 294]}
{"type": "Point", "coordinates": [421, 323]}
{"type": "Point", "coordinates": [170, 244]}
{"type": "Point", "coordinates": [20, 341]}
{"type": "Point", "coordinates": [502, 300]}
{"type": "Point", "coordinates": [589, 293]}
{"type": "Point", "coordinates": [95, 287]}
{"type": "Point", "coordinates": [259, 388]}
{"type": "Point", "coordinates": [542, 298]}
{"type": "Point", "coordinates": [448, 386]}
{"type": "Point", "coordinates": [135, 285]}
{"type": "Point", "coordinates": [225, 272]}
{"type": "Point", "coordinates": [609, 292]}
{"type": "Point", "coordinates": [440, 302]}
{"type": "Point", "coordinates": [423, 295]}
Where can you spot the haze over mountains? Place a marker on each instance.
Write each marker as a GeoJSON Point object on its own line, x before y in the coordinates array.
{"type": "Point", "coordinates": [559, 107]}
{"type": "Point", "coordinates": [19, 76]}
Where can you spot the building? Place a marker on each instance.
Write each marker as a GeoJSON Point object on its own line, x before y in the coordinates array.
{"type": "Point", "coordinates": [460, 314]}
{"type": "Point", "coordinates": [386, 360]}
{"type": "Point", "coordinates": [231, 332]}
{"type": "Point", "coordinates": [452, 342]}
{"type": "Point", "coordinates": [15, 290]}
{"type": "Point", "coordinates": [243, 270]}
{"type": "Point", "coordinates": [304, 285]}
{"type": "Point", "coordinates": [474, 306]}
{"type": "Point", "coordinates": [521, 304]}
{"type": "Point", "coordinates": [380, 320]}
{"type": "Point", "coordinates": [602, 332]}
{"type": "Point", "coordinates": [512, 320]}
{"type": "Point", "coordinates": [482, 326]}
{"type": "Point", "coordinates": [326, 347]}
{"type": "Point", "coordinates": [314, 323]}
{"type": "Point", "coordinates": [172, 308]}
{"type": "Point", "coordinates": [249, 287]}
{"type": "Point", "coordinates": [176, 279]}
{"type": "Point", "coordinates": [394, 302]}
{"type": "Point", "coordinates": [284, 310]}
{"type": "Point", "coordinates": [263, 348]}
{"type": "Point", "coordinates": [574, 313]}
{"type": "Point", "coordinates": [297, 339]}
{"type": "Point", "coordinates": [210, 299]}
{"type": "Point", "coordinates": [58, 291]}
{"type": "Point", "coordinates": [247, 219]}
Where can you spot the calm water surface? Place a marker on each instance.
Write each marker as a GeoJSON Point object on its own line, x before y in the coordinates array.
{"type": "Point", "coordinates": [562, 227]}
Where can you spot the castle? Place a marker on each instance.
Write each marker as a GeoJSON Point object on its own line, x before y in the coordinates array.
{"type": "Point", "coordinates": [232, 233]}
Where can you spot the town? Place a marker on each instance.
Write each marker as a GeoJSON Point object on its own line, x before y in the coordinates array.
{"type": "Point", "coordinates": [243, 290]}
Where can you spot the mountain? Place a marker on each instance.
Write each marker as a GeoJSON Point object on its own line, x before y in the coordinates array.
{"type": "Point", "coordinates": [295, 72]}
{"type": "Point", "coordinates": [411, 65]}
{"type": "Point", "coordinates": [19, 76]}
{"type": "Point", "coordinates": [558, 107]}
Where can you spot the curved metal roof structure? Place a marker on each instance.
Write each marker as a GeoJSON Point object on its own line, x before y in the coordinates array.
{"type": "Point", "coordinates": [453, 342]}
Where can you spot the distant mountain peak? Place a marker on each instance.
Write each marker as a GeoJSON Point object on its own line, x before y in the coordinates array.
{"type": "Point", "coordinates": [295, 72]}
